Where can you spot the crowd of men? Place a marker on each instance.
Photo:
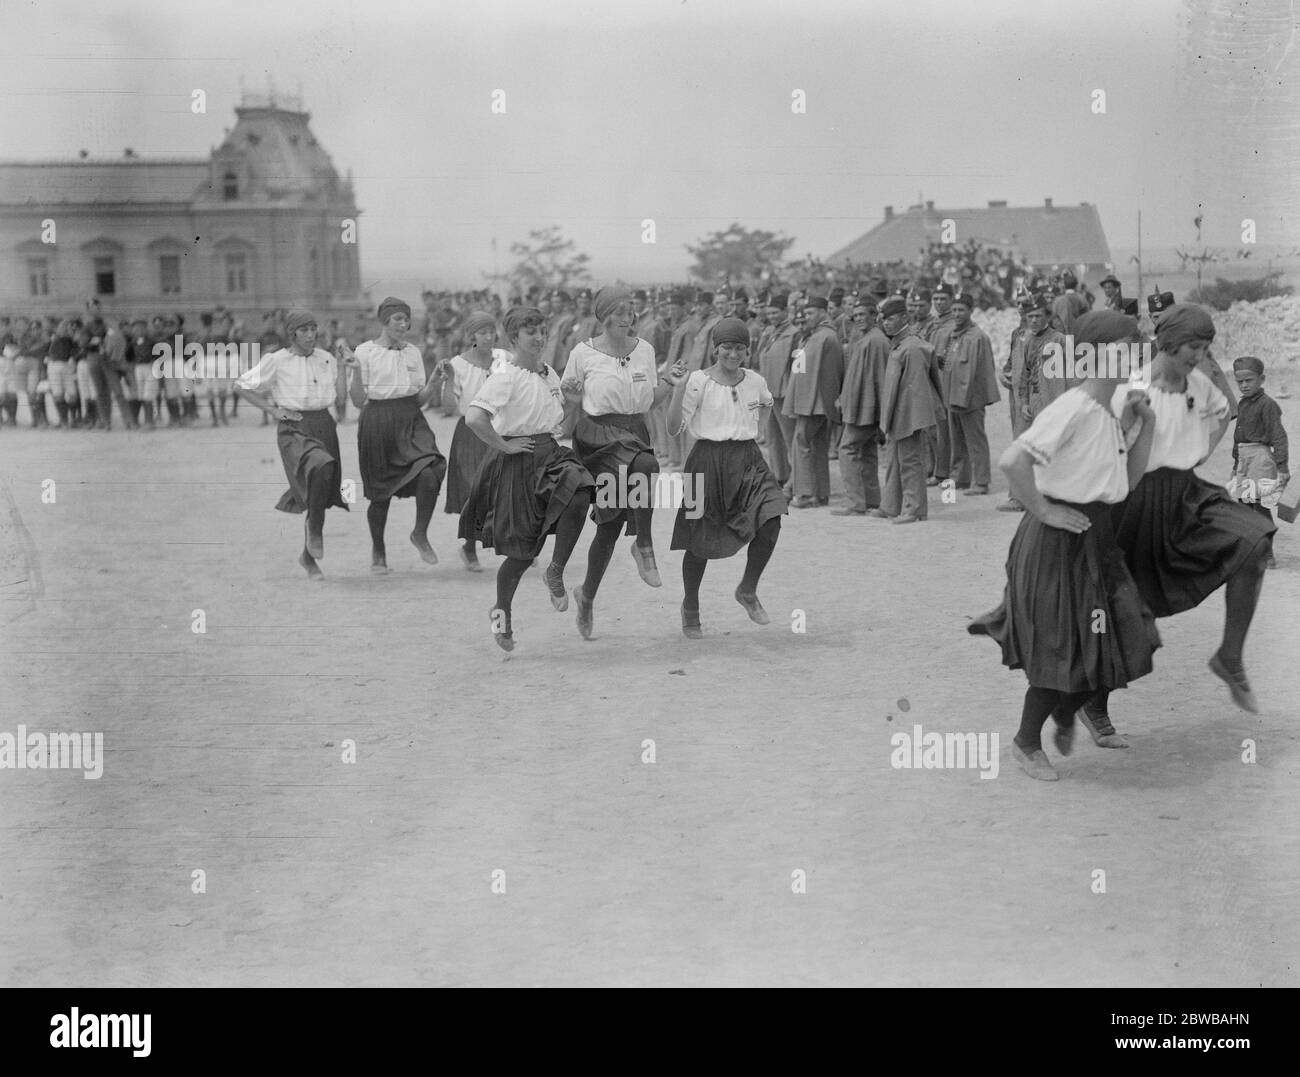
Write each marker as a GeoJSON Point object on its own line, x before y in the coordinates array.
{"type": "Point", "coordinates": [991, 276]}
{"type": "Point", "coordinates": [80, 366]}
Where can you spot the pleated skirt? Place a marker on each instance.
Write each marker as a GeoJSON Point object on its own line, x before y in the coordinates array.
{"type": "Point", "coordinates": [395, 443]}
{"type": "Point", "coordinates": [739, 495]}
{"type": "Point", "coordinates": [468, 451]}
{"type": "Point", "coordinates": [516, 500]}
{"type": "Point", "coordinates": [1183, 537]}
{"type": "Point", "coordinates": [307, 444]}
{"type": "Point", "coordinates": [604, 443]}
{"type": "Point", "coordinates": [1071, 616]}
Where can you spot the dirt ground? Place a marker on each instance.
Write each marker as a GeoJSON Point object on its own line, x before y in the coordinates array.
{"type": "Point", "coordinates": [772, 755]}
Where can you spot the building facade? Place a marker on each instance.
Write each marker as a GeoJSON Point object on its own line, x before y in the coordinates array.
{"type": "Point", "coordinates": [264, 221]}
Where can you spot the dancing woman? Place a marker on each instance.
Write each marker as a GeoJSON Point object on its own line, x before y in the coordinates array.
{"type": "Point", "coordinates": [613, 378]}
{"type": "Point", "coordinates": [1071, 616]}
{"type": "Point", "coordinates": [398, 453]}
{"type": "Point", "coordinates": [1183, 537]}
{"type": "Point", "coordinates": [296, 386]}
{"type": "Point", "coordinates": [722, 407]}
{"type": "Point", "coordinates": [466, 374]}
{"type": "Point", "coordinates": [529, 486]}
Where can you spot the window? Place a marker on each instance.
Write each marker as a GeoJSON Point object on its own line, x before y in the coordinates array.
{"type": "Point", "coordinates": [230, 187]}
{"type": "Point", "coordinates": [315, 269]}
{"type": "Point", "coordinates": [38, 276]}
{"type": "Point", "coordinates": [236, 274]}
{"type": "Point", "coordinates": [105, 278]}
{"type": "Point", "coordinates": [169, 274]}
{"type": "Point", "coordinates": [336, 271]}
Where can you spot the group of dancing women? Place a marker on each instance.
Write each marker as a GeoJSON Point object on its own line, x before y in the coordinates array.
{"type": "Point", "coordinates": [509, 478]}
{"type": "Point", "coordinates": [1119, 530]}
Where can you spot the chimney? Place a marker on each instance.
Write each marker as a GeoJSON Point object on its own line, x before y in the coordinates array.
{"type": "Point", "coordinates": [998, 205]}
{"type": "Point", "coordinates": [1047, 203]}
{"type": "Point", "coordinates": [929, 206]}
{"type": "Point", "coordinates": [889, 213]}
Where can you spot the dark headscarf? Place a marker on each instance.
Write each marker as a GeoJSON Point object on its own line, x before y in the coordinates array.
{"type": "Point", "coordinates": [391, 306]}
{"type": "Point", "coordinates": [517, 317]}
{"type": "Point", "coordinates": [296, 320]}
{"type": "Point", "coordinates": [607, 299]}
{"type": "Point", "coordinates": [731, 331]}
{"type": "Point", "coordinates": [1182, 324]}
{"type": "Point", "coordinates": [1104, 327]}
{"type": "Point", "coordinates": [477, 321]}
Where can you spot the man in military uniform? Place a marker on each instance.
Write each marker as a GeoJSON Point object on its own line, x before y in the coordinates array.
{"type": "Point", "coordinates": [774, 354]}
{"type": "Point", "coordinates": [969, 386]}
{"type": "Point", "coordinates": [812, 400]}
{"type": "Point", "coordinates": [1069, 305]}
{"type": "Point", "coordinates": [860, 407]}
{"type": "Point", "coordinates": [1011, 377]}
{"type": "Point", "coordinates": [912, 406]}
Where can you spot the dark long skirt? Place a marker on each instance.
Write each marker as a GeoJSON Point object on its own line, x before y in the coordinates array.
{"type": "Point", "coordinates": [305, 445]}
{"type": "Point", "coordinates": [604, 443]}
{"type": "Point", "coordinates": [1183, 537]}
{"type": "Point", "coordinates": [740, 495]}
{"type": "Point", "coordinates": [395, 444]}
{"type": "Point", "coordinates": [1071, 616]}
{"type": "Point", "coordinates": [468, 451]}
{"type": "Point", "coordinates": [516, 500]}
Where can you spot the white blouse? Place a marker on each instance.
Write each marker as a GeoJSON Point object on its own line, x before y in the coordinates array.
{"type": "Point", "coordinates": [387, 373]}
{"type": "Point", "coordinates": [1078, 449]}
{"type": "Point", "coordinates": [716, 412]}
{"type": "Point", "coordinates": [1184, 422]}
{"type": "Point", "coordinates": [298, 382]}
{"type": "Point", "coordinates": [467, 378]}
{"type": "Point", "coordinates": [522, 402]}
{"type": "Point", "coordinates": [612, 386]}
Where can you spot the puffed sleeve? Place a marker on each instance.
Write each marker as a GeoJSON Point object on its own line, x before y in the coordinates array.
{"type": "Point", "coordinates": [1117, 401]}
{"type": "Point", "coordinates": [575, 368]}
{"type": "Point", "coordinates": [414, 367]}
{"type": "Point", "coordinates": [1050, 432]}
{"type": "Point", "coordinates": [262, 376]}
{"type": "Point", "coordinates": [652, 369]}
{"type": "Point", "coordinates": [1216, 404]}
{"type": "Point", "coordinates": [694, 392]}
{"type": "Point", "coordinates": [495, 393]}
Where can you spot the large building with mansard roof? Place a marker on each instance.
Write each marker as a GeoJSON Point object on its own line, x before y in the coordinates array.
{"type": "Point", "coordinates": [257, 224]}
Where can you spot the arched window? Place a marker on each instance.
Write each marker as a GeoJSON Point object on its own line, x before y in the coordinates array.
{"type": "Point", "coordinates": [230, 186]}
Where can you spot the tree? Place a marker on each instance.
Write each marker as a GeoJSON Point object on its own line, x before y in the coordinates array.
{"type": "Point", "coordinates": [739, 255]}
{"type": "Point", "coordinates": [546, 260]}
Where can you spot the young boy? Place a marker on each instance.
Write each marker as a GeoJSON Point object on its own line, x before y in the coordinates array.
{"type": "Point", "coordinates": [1259, 446]}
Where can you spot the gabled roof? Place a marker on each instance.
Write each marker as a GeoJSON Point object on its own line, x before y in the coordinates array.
{"type": "Point", "coordinates": [1045, 235]}
{"type": "Point", "coordinates": [131, 179]}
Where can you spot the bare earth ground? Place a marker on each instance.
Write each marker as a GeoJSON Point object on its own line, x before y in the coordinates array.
{"type": "Point", "coordinates": [223, 754]}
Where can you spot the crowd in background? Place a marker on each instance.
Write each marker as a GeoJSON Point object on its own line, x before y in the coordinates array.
{"type": "Point", "coordinates": [69, 371]}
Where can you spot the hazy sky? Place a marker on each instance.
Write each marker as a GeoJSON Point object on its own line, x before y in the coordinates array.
{"type": "Point", "coordinates": [676, 111]}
